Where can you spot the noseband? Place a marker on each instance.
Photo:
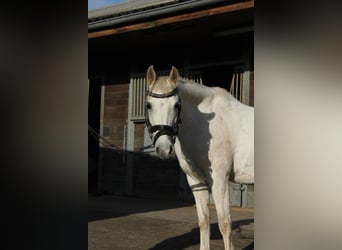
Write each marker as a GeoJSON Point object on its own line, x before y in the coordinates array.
{"type": "Point", "coordinates": [171, 131]}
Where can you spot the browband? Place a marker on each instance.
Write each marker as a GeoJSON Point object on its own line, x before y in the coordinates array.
{"type": "Point", "coordinates": [174, 91]}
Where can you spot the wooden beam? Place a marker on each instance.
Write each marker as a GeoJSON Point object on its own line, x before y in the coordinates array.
{"type": "Point", "coordinates": [173, 19]}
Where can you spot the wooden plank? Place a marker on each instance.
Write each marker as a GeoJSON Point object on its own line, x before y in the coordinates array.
{"type": "Point", "coordinates": [120, 109]}
{"type": "Point", "coordinates": [115, 112]}
{"type": "Point", "coordinates": [115, 103]}
{"type": "Point", "coordinates": [117, 87]}
{"type": "Point", "coordinates": [173, 19]}
{"type": "Point", "coordinates": [115, 118]}
{"type": "Point", "coordinates": [139, 135]}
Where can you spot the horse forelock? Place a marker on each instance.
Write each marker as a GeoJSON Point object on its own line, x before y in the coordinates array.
{"type": "Point", "coordinates": [162, 86]}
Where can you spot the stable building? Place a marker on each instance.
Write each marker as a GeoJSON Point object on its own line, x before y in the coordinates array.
{"type": "Point", "coordinates": [209, 41]}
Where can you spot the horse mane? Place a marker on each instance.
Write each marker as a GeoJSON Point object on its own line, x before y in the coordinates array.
{"type": "Point", "coordinates": [194, 91]}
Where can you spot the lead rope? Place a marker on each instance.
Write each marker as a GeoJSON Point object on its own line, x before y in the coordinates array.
{"type": "Point", "coordinates": [112, 146]}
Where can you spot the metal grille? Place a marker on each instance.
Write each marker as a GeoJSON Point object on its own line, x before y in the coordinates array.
{"type": "Point", "coordinates": [240, 85]}
{"type": "Point", "coordinates": [194, 76]}
{"type": "Point", "coordinates": [138, 97]}
{"type": "Point", "coordinates": [237, 83]}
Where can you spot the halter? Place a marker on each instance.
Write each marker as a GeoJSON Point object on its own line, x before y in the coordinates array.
{"type": "Point", "coordinates": [171, 131]}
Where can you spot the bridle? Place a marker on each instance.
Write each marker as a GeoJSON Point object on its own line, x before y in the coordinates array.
{"type": "Point", "coordinates": [171, 131]}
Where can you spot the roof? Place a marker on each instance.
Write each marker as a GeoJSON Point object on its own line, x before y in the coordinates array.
{"type": "Point", "coordinates": [135, 11]}
{"type": "Point", "coordinates": [128, 7]}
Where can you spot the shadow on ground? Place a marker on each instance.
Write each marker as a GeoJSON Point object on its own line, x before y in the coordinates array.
{"type": "Point", "coordinates": [106, 207]}
{"type": "Point", "coordinates": [192, 238]}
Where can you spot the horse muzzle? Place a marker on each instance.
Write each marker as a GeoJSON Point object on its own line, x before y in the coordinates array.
{"type": "Point", "coordinates": [165, 152]}
{"type": "Point", "coordinates": [165, 147]}
{"type": "Point", "coordinates": [163, 140]}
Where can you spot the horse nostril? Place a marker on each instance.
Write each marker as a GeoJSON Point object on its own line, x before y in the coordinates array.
{"type": "Point", "coordinates": [157, 150]}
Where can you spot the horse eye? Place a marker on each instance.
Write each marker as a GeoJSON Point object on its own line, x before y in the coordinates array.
{"type": "Point", "coordinates": [148, 105]}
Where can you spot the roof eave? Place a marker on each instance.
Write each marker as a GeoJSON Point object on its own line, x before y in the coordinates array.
{"type": "Point", "coordinates": [135, 16]}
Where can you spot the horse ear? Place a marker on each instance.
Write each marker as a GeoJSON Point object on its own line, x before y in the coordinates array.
{"type": "Point", "coordinates": [173, 77]}
{"type": "Point", "coordinates": [150, 76]}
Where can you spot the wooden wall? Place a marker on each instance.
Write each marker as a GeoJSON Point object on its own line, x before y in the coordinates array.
{"type": "Point", "coordinates": [139, 134]}
{"type": "Point", "coordinates": [113, 120]}
{"type": "Point", "coordinates": [115, 113]}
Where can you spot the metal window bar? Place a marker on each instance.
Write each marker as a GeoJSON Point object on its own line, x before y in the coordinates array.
{"type": "Point", "coordinates": [138, 97]}
{"type": "Point", "coordinates": [236, 87]}
{"type": "Point", "coordinates": [194, 76]}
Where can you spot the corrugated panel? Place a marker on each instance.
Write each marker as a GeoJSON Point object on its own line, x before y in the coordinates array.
{"type": "Point", "coordinates": [195, 76]}
{"type": "Point", "coordinates": [236, 87]}
{"type": "Point", "coordinates": [138, 97]}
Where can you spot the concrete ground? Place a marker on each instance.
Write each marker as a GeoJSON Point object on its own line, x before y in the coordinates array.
{"type": "Point", "coordinates": [133, 223]}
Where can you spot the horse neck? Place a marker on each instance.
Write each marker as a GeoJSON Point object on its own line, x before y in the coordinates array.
{"type": "Point", "coordinates": [192, 93]}
{"type": "Point", "coordinates": [194, 98]}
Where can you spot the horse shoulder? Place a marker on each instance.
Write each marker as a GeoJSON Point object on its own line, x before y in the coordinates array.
{"type": "Point", "coordinates": [187, 165]}
{"type": "Point", "coordinates": [233, 127]}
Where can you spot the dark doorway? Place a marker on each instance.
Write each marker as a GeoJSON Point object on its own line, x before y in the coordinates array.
{"type": "Point", "coordinates": [220, 76]}
{"type": "Point", "coordinates": [94, 105]}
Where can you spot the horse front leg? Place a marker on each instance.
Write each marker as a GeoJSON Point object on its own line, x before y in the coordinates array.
{"type": "Point", "coordinates": [201, 194]}
{"type": "Point", "coordinates": [221, 197]}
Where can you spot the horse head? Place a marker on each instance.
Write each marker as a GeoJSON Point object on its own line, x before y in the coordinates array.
{"type": "Point", "coordinates": [163, 111]}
